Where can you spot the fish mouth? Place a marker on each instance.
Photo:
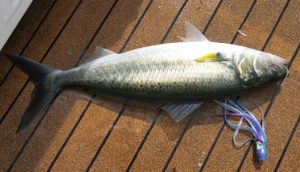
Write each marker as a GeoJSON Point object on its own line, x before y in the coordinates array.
{"type": "Point", "coordinates": [286, 64]}
{"type": "Point", "coordinates": [282, 64]}
{"type": "Point", "coordinates": [279, 61]}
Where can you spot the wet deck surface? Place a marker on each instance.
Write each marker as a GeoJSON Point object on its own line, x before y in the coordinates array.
{"type": "Point", "coordinates": [76, 134]}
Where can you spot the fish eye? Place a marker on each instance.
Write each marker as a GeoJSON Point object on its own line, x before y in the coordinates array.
{"type": "Point", "coordinates": [274, 67]}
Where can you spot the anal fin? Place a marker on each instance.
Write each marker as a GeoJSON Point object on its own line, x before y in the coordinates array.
{"type": "Point", "coordinates": [179, 111]}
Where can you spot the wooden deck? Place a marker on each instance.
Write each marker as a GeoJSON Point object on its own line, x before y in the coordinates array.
{"type": "Point", "coordinates": [77, 135]}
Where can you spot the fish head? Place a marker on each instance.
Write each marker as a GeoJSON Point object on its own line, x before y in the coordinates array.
{"type": "Point", "coordinates": [261, 150]}
{"type": "Point", "coordinates": [257, 67]}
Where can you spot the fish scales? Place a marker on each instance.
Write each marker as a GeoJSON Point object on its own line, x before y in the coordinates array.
{"type": "Point", "coordinates": [156, 79]}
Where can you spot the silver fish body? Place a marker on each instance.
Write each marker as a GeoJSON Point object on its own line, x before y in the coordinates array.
{"type": "Point", "coordinates": [157, 76]}
{"type": "Point", "coordinates": [179, 75]}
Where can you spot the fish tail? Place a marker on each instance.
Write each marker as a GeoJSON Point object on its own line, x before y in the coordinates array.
{"type": "Point", "coordinates": [45, 89]}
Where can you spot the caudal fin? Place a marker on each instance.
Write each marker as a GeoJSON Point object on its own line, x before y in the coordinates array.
{"type": "Point", "coordinates": [45, 90]}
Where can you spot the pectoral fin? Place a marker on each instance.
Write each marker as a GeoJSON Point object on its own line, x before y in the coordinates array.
{"type": "Point", "coordinates": [207, 57]}
{"type": "Point", "coordinates": [213, 56]}
{"type": "Point", "coordinates": [180, 110]}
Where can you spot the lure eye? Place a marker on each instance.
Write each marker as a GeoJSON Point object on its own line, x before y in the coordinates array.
{"type": "Point", "coordinates": [258, 145]}
{"type": "Point", "coordinates": [261, 151]}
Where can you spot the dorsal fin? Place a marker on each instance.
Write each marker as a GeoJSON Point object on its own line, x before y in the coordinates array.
{"type": "Point", "coordinates": [192, 34]}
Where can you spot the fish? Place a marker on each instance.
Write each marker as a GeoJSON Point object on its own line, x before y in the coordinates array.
{"type": "Point", "coordinates": [176, 77]}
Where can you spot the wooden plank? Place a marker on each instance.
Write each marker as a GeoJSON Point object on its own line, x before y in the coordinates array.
{"type": "Point", "coordinates": [291, 159]}
{"type": "Point", "coordinates": [257, 28]}
{"type": "Point", "coordinates": [36, 50]}
{"type": "Point", "coordinates": [150, 157]}
{"type": "Point", "coordinates": [9, 139]}
{"type": "Point", "coordinates": [204, 126]}
{"type": "Point", "coordinates": [68, 105]}
{"type": "Point", "coordinates": [120, 148]}
{"type": "Point", "coordinates": [73, 131]}
{"type": "Point", "coordinates": [79, 25]}
{"type": "Point", "coordinates": [23, 32]}
{"type": "Point", "coordinates": [284, 43]}
{"type": "Point", "coordinates": [280, 120]}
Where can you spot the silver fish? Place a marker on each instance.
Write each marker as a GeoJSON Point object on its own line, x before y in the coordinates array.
{"type": "Point", "coordinates": [176, 76]}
